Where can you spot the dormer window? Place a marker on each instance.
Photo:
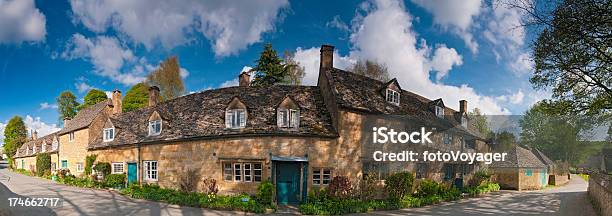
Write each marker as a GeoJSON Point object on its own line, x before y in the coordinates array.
{"type": "Point", "coordinates": [27, 150]}
{"type": "Point", "coordinates": [54, 145]}
{"type": "Point", "coordinates": [464, 121]}
{"type": "Point", "coordinates": [34, 149]}
{"type": "Point", "coordinates": [288, 118]}
{"type": "Point", "coordinates": [109, 134]}
{"type": "Point", "coordinates": [155, 127]}
{"type": "Point", "coordinates": [44, 147]}
{"type": "Point", "coordinates": [393, 96]}
{"type": "Point", "coordinates": [235, 118]}
{"type": "Point", "coordinates": [440, 111]}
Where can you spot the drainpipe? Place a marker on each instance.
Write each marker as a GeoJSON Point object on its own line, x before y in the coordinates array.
{"type": "Point", "coordinates": [138, 170]}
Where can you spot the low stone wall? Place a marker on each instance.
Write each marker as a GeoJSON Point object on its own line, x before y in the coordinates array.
{"type": "Point", "coordinates": [558, 179]}
{"type": "Point", "coordinates": [600, 192]}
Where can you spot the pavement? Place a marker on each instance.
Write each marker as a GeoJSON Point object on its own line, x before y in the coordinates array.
{"type": "Point", "coordinates": [570, 199]}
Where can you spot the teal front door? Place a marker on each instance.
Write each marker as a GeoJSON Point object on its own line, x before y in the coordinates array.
{"type": "Point", "coordinates": [132, 172]}
{"type": "Point", "coordinates": [544, 178]}
{"type": "Point", "coordinates": [288, 182]}
{"type": "Point", "coordinates": [64, 164]}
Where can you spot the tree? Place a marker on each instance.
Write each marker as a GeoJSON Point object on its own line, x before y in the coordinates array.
{"type": "Point", "coordinates": [503, 140]}
{"type": "Point", "coordinates": [94, 96]}
{"type": "Point", "coordinates": [295, 72]}
{"type": "Point", "coordinates": [137, 97]}
{"type": "Point", "coordinates": [270, 69]}
{"type": "Point", "coordinates": [67, 106]}
{"type": "Point", "coordinates": [371, 69]}
{"type": "Point", "coordinates": [480, 122]}
{"type": "Point", "coordinates": [572, 52]}
{"type": "Point", "coordinates": [15, 134]}
{"type": "Point", "coordinates": [168, 78]}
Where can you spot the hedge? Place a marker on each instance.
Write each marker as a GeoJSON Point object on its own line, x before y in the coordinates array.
{"type": "Point", "coordinates": [43, 164]}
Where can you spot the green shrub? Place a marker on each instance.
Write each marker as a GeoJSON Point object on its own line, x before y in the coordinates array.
{"type": "Point", "coordinates": [485, 188]}
{"type": "Point", "coordinates": [340, 187]}
{"type": "Point", "coordinates": [43, 163]}
{"type": "Point", "coordinates": [89, 160]}
{"type": "Point", "coordinates": [369, 187]}
{"type": "Point", "coordinates": [399, 184]}
{"type": "Point", "coordinates": [265, 193]}
{"type": "Point", "coordinates": [114, 180]}
{"type": "Point", "coordinates": [428, 188]}
{"type": "Point", "coordinates": [103, 167]}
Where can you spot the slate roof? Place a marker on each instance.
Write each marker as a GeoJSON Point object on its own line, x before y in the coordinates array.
{"type": "Point", "coordinates": [48, 141]}
{"type": "Point", "coordinates": [361, 93]}
{"type": "Point", "coordinates": [202, 115]}
{"type": "Point", "coordinates": [519, 157]}
{"type": "Point", "coordinates": [84, 117]}
{"type": "Point", "coordinates": [545, 160]}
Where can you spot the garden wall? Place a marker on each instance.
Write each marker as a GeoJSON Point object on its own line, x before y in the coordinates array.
{"type": "Point", "coordinates": [558, 179]}
{"type": "Point", "coordinates": [600, 192]}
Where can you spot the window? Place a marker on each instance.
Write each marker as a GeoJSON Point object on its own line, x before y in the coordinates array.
{"type": "Point", "coordinates": [109, 134]}
{"type": "Point", "coordinates": [449, 171]}
{"type": "Point", "coordinates": [150, 169]}
{"type": "Point", "coordinates": [448, 139]}
{"type": "Point", "coordinates": [528, 172]}
{"type": "Point", "coordinates": [421, 170]}
{"type": "Point", "coordinates": [54, 145]}
{"type": "Point", "coordinates": [288, 118]}
{"type": "Point", "coordinates": [321, 176]}
{"type": "Point", "coordinates": [393, 96]}
{"type": "Point", "coordinates": [117, 168]}
{"type": "Point", "coordinates": [439, 111]}
{"type": "Point", "coordinates": [43, 147]}
{"type": "Point", "coordinates": [235, 118]}
{"type": "Point", "coordinates": [71, 136]}
{"type": "Point", "coordinates": [27, 150]}
{"type": "Point", "coordinates": [155, 127]}
{"type": "Point", "coordinates": [34, 149]}
{"type": "Point", "coordinates": [64, 164]}
{"type": "Point", "coordinates": [79, 167]}
{"type": "Point", "coordinates": [242, 172]}
{"type": "Point", "coordinates": [464, 122]}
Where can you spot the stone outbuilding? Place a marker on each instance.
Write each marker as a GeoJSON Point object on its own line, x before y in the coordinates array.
{"type": "Point", "coordinates": [522, 170]}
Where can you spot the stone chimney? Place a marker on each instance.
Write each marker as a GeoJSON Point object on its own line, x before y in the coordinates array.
{"type": "Point", "coordinates": [153, 95]}
{"type": "Point", "coordinates": [34, 135]}
{"type": "Point", "coordinates": [463, 106]}
{"type": "Point", "coordinates": [66, 120]}
{"type": "Point", "coordinates": [244, 79]}
{"type": "Point", "coordinates": [327, 57]}
{"type": "Point", "coordinates": [116, 101]}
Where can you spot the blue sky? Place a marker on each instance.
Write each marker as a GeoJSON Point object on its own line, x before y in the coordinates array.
{"type": "Point", "coordinates": [454, 50]}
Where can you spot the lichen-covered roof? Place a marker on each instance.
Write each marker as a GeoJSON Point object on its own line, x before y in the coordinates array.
{"type": "Point", "coordinates": [47, 140]}
{"type": "Point", "coordinates": [519, 157]}
{"type": "Point", "coordinates": [84, 117]}
{"type": "Point", "coordinates": [202, 115]}
{"type": "Point", "coordinates": [547, 161]}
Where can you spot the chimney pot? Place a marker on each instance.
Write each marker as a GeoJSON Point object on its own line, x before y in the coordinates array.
{"type": "Point", "coordinates": [463, 106]}
{"type": "Point", "coordinates": [66, 120]}
{"type": "Point", "coordinates": [327, 57]}
{"type": "Point", "coordinates": [34, 135]}
{"type": "Point", "coordinates": [244, 79]}
{"type": "Point", "coordinates": [153, 95]}
{"type": "Point", "coordinates": [116, 101]}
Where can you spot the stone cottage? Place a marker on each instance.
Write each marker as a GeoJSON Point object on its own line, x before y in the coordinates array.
{"type": "Point", "coordinates": [522, 170]}
{"type": "Point", "coordinates": [25, 156]}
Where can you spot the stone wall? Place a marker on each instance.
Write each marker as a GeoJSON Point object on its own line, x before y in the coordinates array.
{"type": "Point", "coordinates": [533, 182]}
{"type": "Point", "coordinates": [558, 179]}
{"type": "Point", "coordinates": [507, 178]}
{"type": "Point", "coordinates": [600, 192]}
{"type": "Point", "coordinates": [74, 151]}
{"type": "Point", "coordinates": [29, 163]}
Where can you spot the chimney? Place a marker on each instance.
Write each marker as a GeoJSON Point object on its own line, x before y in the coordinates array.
{"type": "Point", "coordinates": [116, 101]}
{"type": "Point", "coordinates": [66, 120]}
{"type": "Point", "coordinates": [153, 95]}
{"type": "Point", "coordinates": [463, 106]}
{"type": "Point", "coordinates": [34, 135]}
{"type": "Point", "coordinates": [327, 57]}
{"type": "Point", "coordinates": [244, 79]}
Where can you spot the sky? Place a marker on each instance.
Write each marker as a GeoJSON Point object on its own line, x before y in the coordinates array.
{"type": "Point", "coordinates": [473, 50]}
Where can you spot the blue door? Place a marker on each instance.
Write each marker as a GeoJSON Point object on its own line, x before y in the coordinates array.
{"type": "Point", "coordinates": [288, 182]}
{"type": "Point", "coordinates": [132, 173]}
{"type": "Point", "coordinates": [64, 164]}
{"type": "Point", "coordinates": [544, 178]}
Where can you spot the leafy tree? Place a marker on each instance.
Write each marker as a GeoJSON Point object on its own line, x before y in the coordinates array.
{"type": "Point", "coordinates": [270, 69]}
{"type": "Point", "coordinates": [94, 96]}
{"type": "Point", "coordinates": [371, 69]}
{"type": "Point", "coordinates": [479, 121]}
{"type": "Point", "coordinates": [67, 105]}
{"type": "Point", "coordinates": [503, 140]}
{"type": "Point", "coordinates": [572, 52]}
{"type": "Point", "coordinates": [168, 78]}
{"type": "Point", "coordinates": [295, 72]}
{"type": "Point", "coordinates": [137, 97]}
{"type": "Point", "coordinates": [15, 134]}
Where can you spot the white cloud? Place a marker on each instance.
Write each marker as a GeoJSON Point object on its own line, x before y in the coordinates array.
{"type": "Point", "coordinates": [456, 16]}
{"type": "Point", "coordinates": [46, 105]}
{"type": "Point", "coordinates": [109, 57]}
{"type": "Point", "coordinates": [82, 87]}
{"type": "Point", "coordinates": [230, 26]}
{"type": "Point", "coordinates": [383, 32]}
{"type": "Point", "coordinates": [443, 61]}
{"type": "Point", "coordinates": [522, 64]}
{"type": "Point", "coordinates": [235, 82]}
{"type": "Point", "coordinates": [309, 58]}
{"type": "Point", "coordinates": [336, 22]}
{"type": "Point", "coordinates": [183, 73]}
{"type": "Point", "coordinates": [517, 98]}
{"type": "Point", "coordinates": [2, 126]}
{"type": "Point", "coordinates": [21, 21]}
{"type": "Point", "coordinates": [34, 123]}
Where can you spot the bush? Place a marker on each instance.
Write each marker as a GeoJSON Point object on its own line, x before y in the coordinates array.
{"type": "Point", "coordinates": [399, 184]}
{"type": "Point", "coordinates": [481, 176]}
{"type": "Point", "coordinates": [188, 180]}
{"type": "Point", "coordinates": [115, 180]}
{"type": "Point", "coordinates": [210, 186]}
{"type": "Point", "coordinates": [369, 187]}
{"type": "Point", "coordinates": [265, 193]}
{"type": "Point", "coordinates": [103, 167]}
{"type": "Point", "coordinates": [340, 187]}
{"type": "Point", "coordinates": [43, 163]}
{"type": "Point", "coordinates": [89, 160]}
{"type": "Point", "coordinates": [61, 173]}
{"type": "Point", "coordinates": [485, 188]}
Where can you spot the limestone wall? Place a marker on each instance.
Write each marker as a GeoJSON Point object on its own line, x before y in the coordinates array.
{"type": "Point", "coordinates": [600, 192]}
{"type": "Point", "coordinates": [533, 182]}
{"type": "Point", "coordinates": [558, 179]}
{"type": "Point", "coordinates": [507, 178]}
{"type": "Point", "coordinates": [74, 151]}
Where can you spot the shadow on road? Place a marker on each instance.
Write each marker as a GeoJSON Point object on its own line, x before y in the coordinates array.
{"type": "Point", "coordinates": [7, 210]}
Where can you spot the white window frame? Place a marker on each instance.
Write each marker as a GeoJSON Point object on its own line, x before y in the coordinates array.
{"type": "Point", "coordinates": [319, 174]}
{"type": "Point", "coordinates": [43, 147]}
{"type": "Point", "coordinates": [242, 171]}
{"type": "Point", "coordinates": [34, 149]}
{"type": "Point", "coordinates": [152, 132]}
{"type": "Point", "coordinates": [393, 96]}
{"type": "Point", "coordinates": [288, 118]}
{"type": "Point", "coordinates": [80, 167]}
{"type": "Point", "coordinates": [71, 137]}
{"type": "Point", "coordinates": [113, 171]}
{"type": "Point", "coordinates": [440, 111]}
{"type": "Point", "coordinates": [106, 133]}
{"type": "Point", "coordinates": [235, 118]}
{"type": "Point", "coordinates": [151, 174]}
{"type": "Point", "coordinates": [54, 145]}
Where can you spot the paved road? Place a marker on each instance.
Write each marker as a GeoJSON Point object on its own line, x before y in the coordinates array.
{"type": "Point", "coordinates": [570, 200]}
{"type": "Point", "coordinates": [81, 201]}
